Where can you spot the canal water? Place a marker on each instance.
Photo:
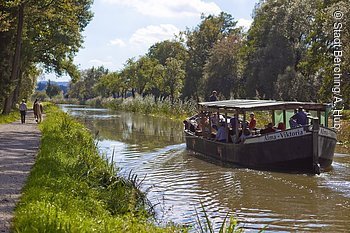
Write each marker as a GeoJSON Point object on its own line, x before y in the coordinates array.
{"type": "Point", "coordinates": [177, 181]}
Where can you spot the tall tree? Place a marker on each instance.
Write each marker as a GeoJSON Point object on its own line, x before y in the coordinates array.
{"type": "Point", "coordinates": [173, 78]}
{"type": "Point", "coordinates": [276, 40]}
{"type": "Point", "coordinates": [52, 89]}
{"type": "Point", "coordinates": [84, 88]}
{"type": "Point", "coordinates": [223, 69]}
{"type": "Point", "coordinates": [199, 43]}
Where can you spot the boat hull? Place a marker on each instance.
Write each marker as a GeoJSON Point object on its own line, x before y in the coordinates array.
{"type": "Point", "coordinates": [286, 154]}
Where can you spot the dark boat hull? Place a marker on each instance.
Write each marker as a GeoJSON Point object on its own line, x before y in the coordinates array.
{"type": "Point", "coordinates": [288, 154]}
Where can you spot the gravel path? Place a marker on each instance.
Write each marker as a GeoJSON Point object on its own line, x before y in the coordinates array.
{"type": "Point", "coordinates": [19, 145]}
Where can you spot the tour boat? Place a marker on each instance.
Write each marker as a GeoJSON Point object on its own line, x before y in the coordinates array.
{"type": "Point", "coordinates": [306, 148]}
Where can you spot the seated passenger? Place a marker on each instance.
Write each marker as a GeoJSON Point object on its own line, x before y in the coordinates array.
{"type": "Point", "coordinates": [281, 126]}
{"type": "Point", "coordinates": [221, 134]}
{"type": "Point", "coordinates": [268, 129]}
{"type": "Point", "coordinates": [246, 134]}
{"type": "Point", "coordinates": [252, 123]}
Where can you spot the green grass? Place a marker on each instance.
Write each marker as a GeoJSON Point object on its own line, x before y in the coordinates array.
{"type": "Point", "coordinates": [12, 117]}
{"type": "Point", "coordinates": [72, 189]}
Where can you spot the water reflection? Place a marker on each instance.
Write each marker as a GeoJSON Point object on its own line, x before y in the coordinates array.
{"type": "Point", "coordinates": [179, 181]}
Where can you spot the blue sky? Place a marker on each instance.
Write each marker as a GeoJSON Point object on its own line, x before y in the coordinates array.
{"type": "Point", "coordinates": [122, 29]}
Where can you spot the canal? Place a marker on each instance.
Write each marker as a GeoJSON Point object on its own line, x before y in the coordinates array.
{"type": "Point", "coordinates": [177, 181]}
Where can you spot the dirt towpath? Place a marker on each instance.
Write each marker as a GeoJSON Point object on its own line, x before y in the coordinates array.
{"type": "Point", "coordinates": [19, 145]}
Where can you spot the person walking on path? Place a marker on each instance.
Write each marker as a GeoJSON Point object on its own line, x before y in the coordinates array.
{"type": "Point", "coordinates": [23, 110]}
{"type": "Point", "coordinates": [38, 110]}
{"type": "Point", "coordinates": [19, 145]}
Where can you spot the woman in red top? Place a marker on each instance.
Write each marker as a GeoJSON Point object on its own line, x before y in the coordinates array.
{"type": "Point", "coordinates": [252, 123]}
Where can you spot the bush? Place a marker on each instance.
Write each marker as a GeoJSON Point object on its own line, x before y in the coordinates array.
{"type": "Point", "coordinates": [40, 95]}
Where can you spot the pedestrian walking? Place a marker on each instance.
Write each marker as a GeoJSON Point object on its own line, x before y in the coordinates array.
{"type": "Point", "coordinates": [23, 110]}
{"type": "Point", "coordinates": [38, 109]}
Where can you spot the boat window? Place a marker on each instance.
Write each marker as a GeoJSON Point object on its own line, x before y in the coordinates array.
{"type": "Point", "coordinates": [323, 119]}
{"type": "Point", "coordinates": [289, 114]}
{"type": "Point", "coordinates": [278, 117]}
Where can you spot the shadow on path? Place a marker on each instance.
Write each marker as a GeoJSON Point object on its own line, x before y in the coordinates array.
{"type": "Point", "coordinates": [19, 144]}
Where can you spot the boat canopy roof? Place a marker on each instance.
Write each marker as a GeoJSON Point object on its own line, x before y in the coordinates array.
{"type": "Point", "coordinates": [242, 105]}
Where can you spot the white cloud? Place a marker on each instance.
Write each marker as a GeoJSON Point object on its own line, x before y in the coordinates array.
{"type": "Point", "coordinates": [169, 8]}
{"type": "Point", "coordinates": [245, 23]}
{"type": "Point", "coordinates": [100, 62]}
{"type": "Point", "coordinates": [117, 42]}
{"type": "Point", "coordinates": [152, 34]}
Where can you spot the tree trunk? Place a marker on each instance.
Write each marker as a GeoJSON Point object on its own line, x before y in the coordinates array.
{"type": "Point", "coordinates": [16, 93]}
{"type": "Point", "coordinates": [17, 56]}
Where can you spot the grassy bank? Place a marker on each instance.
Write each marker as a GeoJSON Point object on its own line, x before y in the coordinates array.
{"type": "Point", "coordinates": [13, 116]}
{"type": "Point", "coordinates": [178, 110]}
{"type": "Point", "coordinates": [72, 189]}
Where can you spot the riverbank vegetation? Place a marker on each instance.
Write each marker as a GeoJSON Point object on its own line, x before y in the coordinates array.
{"type": "Point", "coordinates": [13, 116]}
{"type": "Point", "coordinates": [72, 189]}
{"type": "Point", "coordinates": [177, 109]}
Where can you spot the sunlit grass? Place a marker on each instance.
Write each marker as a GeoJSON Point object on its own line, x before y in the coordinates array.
{"type": "Point", "coordinates": [12, 117]}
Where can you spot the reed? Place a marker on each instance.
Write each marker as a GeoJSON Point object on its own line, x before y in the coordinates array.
{"type": "Point", "coordinates": [71, 188]}
{"type": "Point", "coordinates": [149, 105]}
{"type": "Point", "coordinates": [205, 225]}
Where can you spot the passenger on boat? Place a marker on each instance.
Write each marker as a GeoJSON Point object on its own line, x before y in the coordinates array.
{"type": "Point", "coordinates": [221, 134]}
{"type": "Point", "coordinates": [252, 123]}
{"type": "Point", "coordinates": [213, 96]}
{"type": "Point", "coordinates": [300, 117]}
{"type": "Point", "coordinates": [233, 124]}
{"type": "Point", "coordinates": [189, 126]}
{"type": "Point", "coordinates": [204, 125]}
{"type": "Point", "coordinates": [268, 129]}
{"type": "Point", "coordinates": [281, 126]}
{"type": "Point", "coordinates": [246, 134]}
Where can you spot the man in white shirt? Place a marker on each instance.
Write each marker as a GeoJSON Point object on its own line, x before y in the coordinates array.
{"type": "Point", "coordinates": [23, 110]}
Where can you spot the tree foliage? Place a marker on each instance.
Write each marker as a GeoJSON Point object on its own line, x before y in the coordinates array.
{"type": "Point", "coordinates": [199, 43]}
{"type": "Point", "coordinates": [223, 69]}
{"type": "Point", "coordinates": [52, 89]}
{"type": "Point", "coordinates": [84, 88]}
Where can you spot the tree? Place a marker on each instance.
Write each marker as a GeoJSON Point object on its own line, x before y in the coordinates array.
{"type": "Point", "coordinates": [173, 78]}
{"type": "Point", "coordinates": [223, 69]}
{"type": "Point", "coordinates": [293, 86]}
{"type": "Point", "coordinates": [52, 89]}
{"type": "Point", "coordinates": [277, 39]}
{"type": "Point", "coordinates": [199, 43]}
{"type": "Point", "coordinates": [168, 49]}
{"type": "Point", "coordinates": [84, 88]}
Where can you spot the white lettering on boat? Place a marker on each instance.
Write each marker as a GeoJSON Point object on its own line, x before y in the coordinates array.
{"type": "Point", "coordinates": [278, 136]}
{"type": "Point", "coordinates": [327, 133]}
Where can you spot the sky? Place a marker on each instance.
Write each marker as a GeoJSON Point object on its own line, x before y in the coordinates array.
{"type": "Point", "coordinates": [122, 29]}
